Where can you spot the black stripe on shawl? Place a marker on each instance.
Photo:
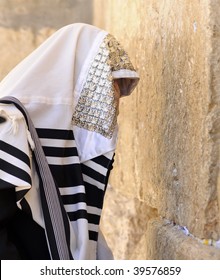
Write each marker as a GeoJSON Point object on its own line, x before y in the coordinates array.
{"type": "Point", "coordinates": [55, 133]}
{"type": "Point", "coordinates": [94, 195]}
{"type": "Point", "coordinates": [73, 198]}
{"type": "Point", "coordinates": [82, 214]}
{"type": "Point", "coordinates": [93, 219]}
{"type": "Point", "coordinates": [79, 214]}
{"type": "Point", "coordinates": [6, 185]}
{"type": "Point", "coordinates": [93, 235]}
{"type": "Point", "coordinates": [67, 175]}
{"type": "Point", "coordinates": [11, 150]}
{"type": "Point", "coordinates": [93, 174]}
{"type": "Point", "coordinates": [15, 171]}
{"type": "Point", "coordinates": [20, 194]}
{"type": "Point", "coordinates": [60, 152]}
{"type": "Point", "coordinates": [102, 160]}
{"type": "Point", "coordinates": [25, 207]}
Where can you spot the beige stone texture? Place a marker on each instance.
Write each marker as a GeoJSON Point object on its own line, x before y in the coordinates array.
{"type": "Point", "coordinates": [24, 25]}
{"type": "Point", "coordinates": [125, 223]}
{"type": "Point", "coordinates": [167, 242]}
{"type": "Point", "coordinates": [167, 158]}
{"type": "Point", "coordinates": [15, 45]}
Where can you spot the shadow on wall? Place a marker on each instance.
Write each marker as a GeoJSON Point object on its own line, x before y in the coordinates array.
{"type": "Point", "coordinates": [36, 14]}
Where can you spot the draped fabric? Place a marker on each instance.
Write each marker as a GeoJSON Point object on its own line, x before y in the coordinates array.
{"type": "Point", "coordinates": [75, 119]}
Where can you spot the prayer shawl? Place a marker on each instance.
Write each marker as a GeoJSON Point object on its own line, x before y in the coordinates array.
{"type": "Point", "coordinates": [67, 88]}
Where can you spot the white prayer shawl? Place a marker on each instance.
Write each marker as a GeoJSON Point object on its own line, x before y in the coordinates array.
{"type": "Point", "coordinates": [75, 118]}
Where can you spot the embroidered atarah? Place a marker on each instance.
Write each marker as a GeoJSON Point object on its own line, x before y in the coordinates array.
{"type": "Point", "coordinates": [97, 105]}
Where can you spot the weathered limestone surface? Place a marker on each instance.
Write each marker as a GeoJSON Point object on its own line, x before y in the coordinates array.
{"type": "Point", "coordinates": [25, 24]}
{"type": "Point", "coordinates": [125, 222]}
{"type": "Point", "coordinates": [167, 242]}
{"type": "Point", "coordinates": [168, 153]}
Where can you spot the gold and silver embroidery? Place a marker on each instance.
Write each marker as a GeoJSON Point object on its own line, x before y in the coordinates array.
{"type": "Point", "coordinates": [97, 105]}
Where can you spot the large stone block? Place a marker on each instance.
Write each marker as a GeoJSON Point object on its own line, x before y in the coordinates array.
{"type": "Point", "coordinates": [16, 44]}
{"type": "Point", "coordinates": [133, 230]}
{"type": "Point", "coordinates": [124, 224]}
{"type": "Point", "coordinates": [167, 242]}
{"type": "Point", "coordinates": [167, 155]}
{"type": "Point", "coordinates": [24, 25]}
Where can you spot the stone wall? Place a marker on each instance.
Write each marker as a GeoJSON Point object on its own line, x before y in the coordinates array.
{"type": "Point", "coordinates": [25, 24]}
{"type": "Point", "coordinates": [166, 174]}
